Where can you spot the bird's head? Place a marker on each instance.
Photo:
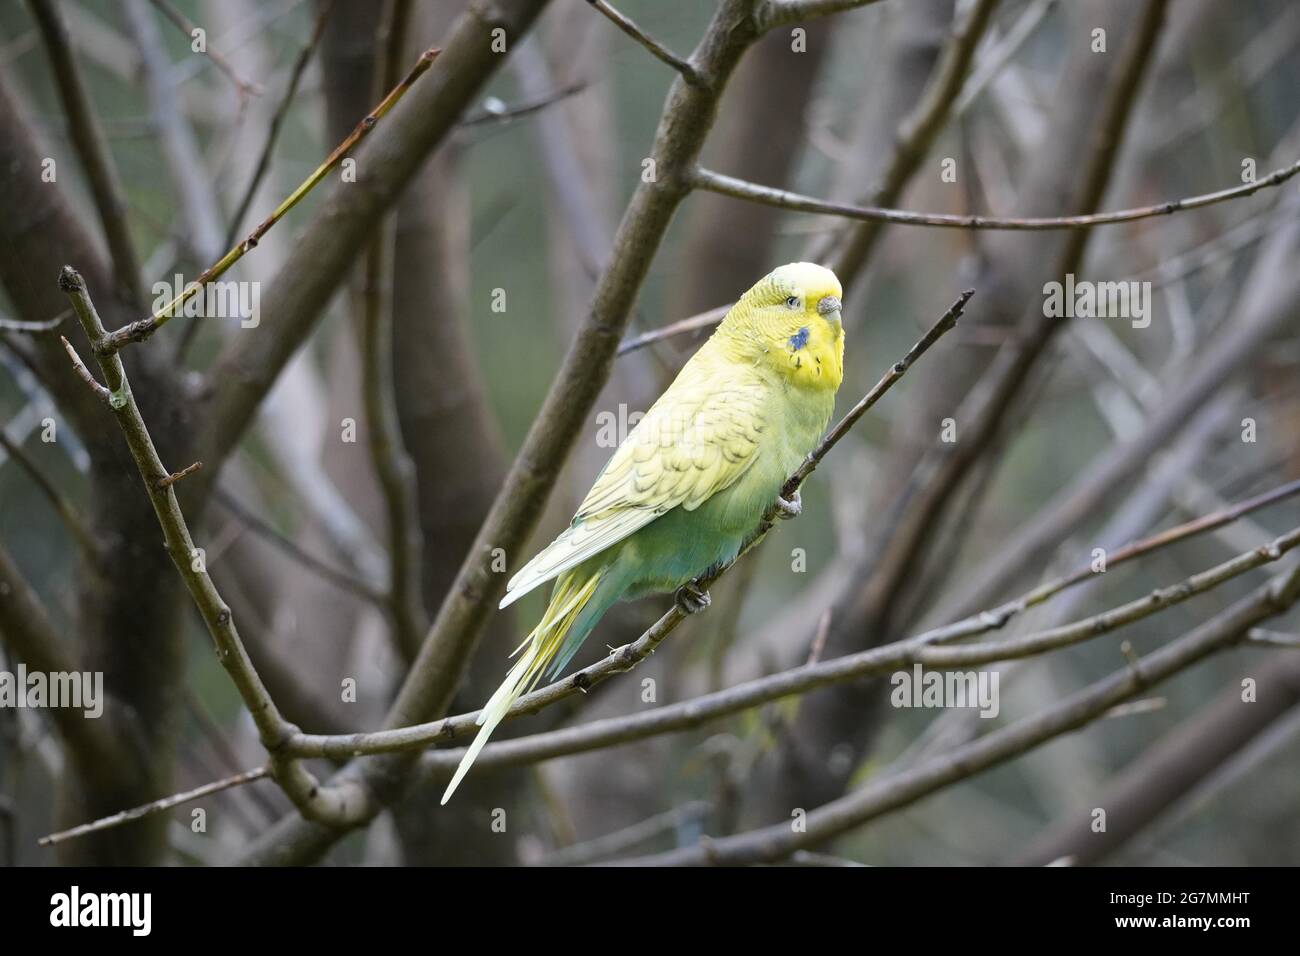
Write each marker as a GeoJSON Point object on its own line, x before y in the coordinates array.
{"type": "Point", "coordinates": [790, 323]}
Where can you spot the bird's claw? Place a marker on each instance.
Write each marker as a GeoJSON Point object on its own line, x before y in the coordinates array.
{"type": "Point", "coordinates": [789, 509]}
{"type": "Point", "coordinates": [691, 599]}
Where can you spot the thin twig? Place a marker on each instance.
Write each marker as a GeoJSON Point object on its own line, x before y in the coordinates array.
{"type": "Point", "coordinates": [267, 532]}
{"type": "Point", "coordinates": [200, 218]}
{"type": "Point", "coordinates": [393, 469]}
{"type": "Point", "coordinates": [277, 121]}
{"type": "Point", "coordinates": [904, 788]}
{"type": "Point", "coordinates": [178, 475]}
{"type": "Point", "coordinates": [784, 199]}
{"type": "Point", "coordinates": [158, 806]}
{"type": "Point", "coordinates": [693, 324]}
{"type": "Point", "coordinates": [83, 373]}
{"type": "Point", "coordinates": [507, 114]}
{"type": "Point", "coordinates": [62, 506]}
{"type": "Point", "coordinates": [49, 325]}
{"type": "Point", "coordinates": [945, 324]}
{"type": "Point", "coordinates": [661, 52]}
{"type": "Point", "coordinates": [243, 87]}
{"type": "Point", "coordinates": [141, 329]}
{"type": "Point", "coordinates": [88, 137]}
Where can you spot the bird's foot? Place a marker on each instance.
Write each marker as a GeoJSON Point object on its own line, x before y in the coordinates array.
{"type": "Point", "coordinates": [789, 509]}
{"type": "Point", "coordinates": [691, 599]}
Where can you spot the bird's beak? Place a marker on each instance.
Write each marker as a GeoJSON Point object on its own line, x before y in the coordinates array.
{"type": "Point", "coordinates": [829, 308]}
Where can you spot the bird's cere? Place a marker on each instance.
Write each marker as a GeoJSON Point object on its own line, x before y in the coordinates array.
{"type": "Point", "coordinates": [828, 305]}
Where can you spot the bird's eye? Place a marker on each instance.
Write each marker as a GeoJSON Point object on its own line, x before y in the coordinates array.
{"type": "Point", "coordinates": [792, 302]}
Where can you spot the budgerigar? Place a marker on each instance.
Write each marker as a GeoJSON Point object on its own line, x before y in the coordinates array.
{"type": "Point", "coordinates": [690, 483]}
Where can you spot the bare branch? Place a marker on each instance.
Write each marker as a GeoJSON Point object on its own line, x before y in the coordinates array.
{"type": "Point", "coordinates": [657, 49]}
{"type": "Point", "coordinates": [899, 790]}
{"type": "Point", "coordinates": [140, 330]}
{"type": "Point", "coordinates": [387, 454]}
{"type": "Point", "coordinates": [176, 476]}
{"type": "Point", "coordinates": [327, 246]}
{"type": "Point", "coordinates": [83, 373]}
{"type": "Point", "coordinates": [1171, 768]}
{"type": "Point", "coordinates": [243, 87]}
{"type": "Point", "coordinates": [682, 326]}
{"type": "Point", "coordinates": [508, 114]}
{"type": "Point", "coordinates": [925, 649]}
{"type": "Point", "coordinates": [916, 132]}
{"type": "Point", "coordinates": [784, 199]}
{"type": "Point", "coordinates": [49, 325]}
{"type": "Point", "coordinates": [272, 728]}
{"type": "Point", "coordinates": [176, 138]}
{"type": "Point", "coordinates": [277, 120]}
{"type": "Point", "coordinates": [777, 13]}
{"type": "Point", "coordinates": [32, 637]}
{"type": "Point", "coordinates": [158, 806]}
{"type": "Point", "coordinates": [88, 137]}
{"type": "Point", "coordinates": [62, 506]}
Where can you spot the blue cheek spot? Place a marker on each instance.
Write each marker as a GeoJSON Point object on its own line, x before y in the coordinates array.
{"type": "Point", "coordinates": [799, 339]}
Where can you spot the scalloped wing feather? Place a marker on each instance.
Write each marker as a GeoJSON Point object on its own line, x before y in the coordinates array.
{"type": "Point", "coordinates": [696, 441]}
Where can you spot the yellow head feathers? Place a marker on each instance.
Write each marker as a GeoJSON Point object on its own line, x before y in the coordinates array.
{"type": "Point", "coordinates": [790, 323]}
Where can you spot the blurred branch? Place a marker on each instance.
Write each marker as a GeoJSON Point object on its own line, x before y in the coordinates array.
{"type": "Point", "coordinates": [37, 229]}
{"type": "Point", "coordinates": [49, 325]}
{"type": "Point", "coordinates": [997, 58]}
{"type": "Point", "coordinates": [899, 790]}
{"type": "Point", "coordinates": [31, 636]}
{"type": "Point", "coordinates": [297, 297]}
{"type": "Point", "coordinates": [1269, 311]}
{"type": "Point", "coordinates": [57, 499]}
{"type": "Point", "coordinates": [1169, 769]}
{"type": "Point", "coordinates": [289, 547]}
{"type": "Point", "coordinates": [784, 199]}
{"type": "Point", "coordinates": [244, 87]}
{"type": "Point", "coordinates": [277, 121]}
{"type": "Point", "coordinates": [88, 137]}
{"type": "Point", "coordinates": [681, 327]}
{"type": "Point", "coordinates": [657, 49]}
{"type": "Point", "coordinates": [140, 330]}
{"type": "Point", "coordinates": [506, 114]}
{"type": "Point", "coordinates": [918, 130]}
{"type": "Point", "coordinates": [626, 838]}
{"type": "Point", "coordinates": [777, 13]}
{"type": "Point", "coordinates": [201, 226]}
{"type": "Point", "coordinates": [388, 456]}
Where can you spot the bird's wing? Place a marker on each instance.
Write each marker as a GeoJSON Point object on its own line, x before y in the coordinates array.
{"type": "Point", "coordinates": [698, 439]}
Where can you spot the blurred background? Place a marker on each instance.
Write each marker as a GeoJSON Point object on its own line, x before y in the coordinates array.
{"type": "Point", "coordinates": [1102, 434]}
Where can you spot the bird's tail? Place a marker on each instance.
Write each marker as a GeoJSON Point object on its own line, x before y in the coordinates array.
{"type": "Point", "coordinates": [550, 646]}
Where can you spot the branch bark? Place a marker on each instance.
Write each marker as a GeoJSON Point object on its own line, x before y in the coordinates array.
{"type": "Point", "coordinates": [880, 797]}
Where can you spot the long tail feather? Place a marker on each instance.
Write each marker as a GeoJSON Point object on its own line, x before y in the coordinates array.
{"type": "Point", "coordinates": [543, 645]}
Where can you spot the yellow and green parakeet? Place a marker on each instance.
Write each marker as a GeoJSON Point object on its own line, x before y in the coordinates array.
{"type": "Point", "coordinates": [689, 485]}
